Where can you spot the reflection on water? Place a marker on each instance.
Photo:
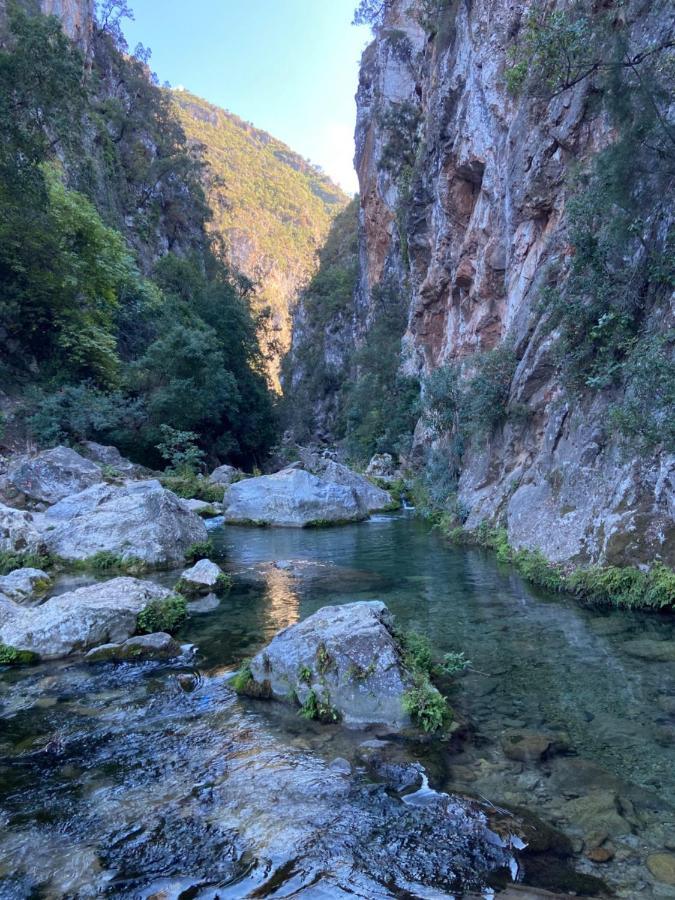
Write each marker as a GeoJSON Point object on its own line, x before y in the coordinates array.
{"type": "Point", "coordinates": [121, 757]}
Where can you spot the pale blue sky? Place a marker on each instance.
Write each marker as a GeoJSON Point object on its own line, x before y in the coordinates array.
{"type": "Point", "coordinates": [288, 66]}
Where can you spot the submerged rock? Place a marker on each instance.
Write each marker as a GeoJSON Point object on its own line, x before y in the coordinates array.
{"type": "Point", "coordinates": [18, 531]}
{"type": "Point", "coordinates": [530, 746]}
{"type": "Point", "coordinates": [53, 474]}
{"type": "Point", "coordinates": [205, 577]}
{"type": "Point", "coordinates": [342, 663]}
{"type": "Point", "coordinates": [159, 645]}
{"type": "Point", "coordinates": [139, 520]}
{"type": "Point", "coordinates": [24, 584]}
{"type": "Point", "coordinates": [662, 867]}
{"type": "Point", "coordinates": [371, 497]}
{"type": "Point", "coordinates": [650, 650]}
{"type": "Point", "coordinates": [98, 614]}
{"type": "Point", "coordinates": [291, 498]}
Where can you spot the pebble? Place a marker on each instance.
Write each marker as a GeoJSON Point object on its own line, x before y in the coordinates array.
{"type": "Point", "coordinates": [600, 854]}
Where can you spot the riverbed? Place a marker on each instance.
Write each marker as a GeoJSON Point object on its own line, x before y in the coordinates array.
{"type": "Point", "coordinates": [157, 781]}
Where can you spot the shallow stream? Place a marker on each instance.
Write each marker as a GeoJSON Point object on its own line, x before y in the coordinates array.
{"type": "Point", "coordinates": [118, 781]}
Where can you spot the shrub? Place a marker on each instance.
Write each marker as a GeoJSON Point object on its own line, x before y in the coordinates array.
{"type": "Point", "coordinates": [320, 710]}
{"type": "Point", "coordinates": [9, 561]}
{"type": "Point", "coordinates": [190, 486]}
{"type": "Point", "coordinates": [200, 550]}
{"type": "Point", "coordinates": [106, 561]}
{"type": "Point", "coordinates": [426, 706]}
{"type": "Point", "coordinates": [162, 615]}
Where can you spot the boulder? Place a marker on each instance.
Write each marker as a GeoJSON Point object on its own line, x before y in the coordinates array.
{"type": "Point", "coordinates": [18, 531]}
{"type": "Point", "coordinates": [381, 466]}
{"type": "Point", "coordinates": [98, 614]}
{"type": "Point", "coordinates": [369, 496]}
{"type": "Point", "coordinates": [53, 474]}
{"type": "Point", "coordinates": [113, 459]}
{"type": "Point", "coordinates": [344, 661]}
{"type": "Point", "coordinates": [202, 508]}
{"type": "Point", "coordinates": [205, 577]}
{"type": "Point", "coordinates": [159, 646]}
{"type": "Point", "coordinates": [140, 520]}
{"type": "Point", "coordinates": [225, 475]}
{"type": "Point", "coordinates": [292, 498]}
{"type": "Point", "coordinates": [24, 584]}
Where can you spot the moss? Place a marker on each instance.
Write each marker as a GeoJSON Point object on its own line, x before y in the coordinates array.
{"type": "Point", "coordinates": [223, 583]}
{"type": "Point", "coordinates": [162, 615]}
{"type": "Point", "coordinates": [244, 683]}
{"type": "Point", "coordinates": [11, 656]}
{"type": "Point", "coordinates": [327, 523]}
{"type": "Point", "coordinates": [319, 710]}
{"type": "Point", "coordinates": [199, 550]}
{"type": "Point", "coordinates": [361, 673]}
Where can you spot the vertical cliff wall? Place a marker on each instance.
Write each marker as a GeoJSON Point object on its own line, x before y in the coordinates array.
{"type": "Point", "coordinates": [466, 186]}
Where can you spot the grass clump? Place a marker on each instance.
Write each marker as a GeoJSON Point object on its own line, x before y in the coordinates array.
{"type": "Point", "coordinates": [162, 615]}
{"type": "Point", "coordinates": [107, 561]}
{"type": "Point", "coordinates": [190, 486]}
{"type": "Point", "coordinates": [424, 703]}
{"type": "Point", "coordinates": [245, 684]}
{"type": "Point", "coordinates": [625, 587]}
{"type": "Point", "coordinates": [199, 550]}
{"type": "Point", "coordinates": [318, 710]}
{"type": "Point", "coordinates": [11, 656]}
{"type": "Point", "coordinates": [9, 561]}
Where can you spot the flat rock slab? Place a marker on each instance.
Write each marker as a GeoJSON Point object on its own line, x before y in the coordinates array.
{"type": "Point", "coordinates": [73, 622]}
{"type": "Point", "coordinates": [157, 646]}
{"type": "Point", "coordinates": [139, 520]}
{"type": "Point", "coordinates": [53, 474]}
{"type": "Point", "coordinates": [347, 657]}
{"type": "Point", "coordinates": [291, 498]}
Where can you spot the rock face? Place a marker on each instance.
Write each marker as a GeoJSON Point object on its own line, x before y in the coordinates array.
{"type": "Point", "coordinates": [75, 621]}
{"type": "Point", "coordinates": [346, 657]}
{"type": "Point", "coordinates": [111, 456]}
{"type": "Point", "coordinates": [18, 532]}
{"type": "Point", "coordinates": [53, 474]}
{"type": "Point", "coordinates": [291, 498]}
{"type": "Point", "coordinates": [370, 497]}
{"type": "Point", "coordinates": [24, 584]}
{"type": "Point", "coordinates": [139, 520]}
{"type": "Point", "coordinates": [470, 238]}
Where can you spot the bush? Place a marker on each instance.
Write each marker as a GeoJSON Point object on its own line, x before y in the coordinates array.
{"type": "Point", "coordinates": [9, 561]}
{"type": "Point", "coordinates": [426, 706]}
{"type": "Point", "coordinates": [162, 615]}
{"type": "Point", "coordinates": [200, 550]}
{"type": "Point", "coordinates": [189, 486]}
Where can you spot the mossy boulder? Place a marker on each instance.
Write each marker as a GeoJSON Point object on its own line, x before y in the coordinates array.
{"type": "Point", "coordinates": [205, 577]}
{"type": "Point", "coordinates": [157, 646]}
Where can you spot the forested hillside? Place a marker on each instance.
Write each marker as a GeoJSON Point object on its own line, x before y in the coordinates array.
{"type": "Point", "coordinates": [117, 318]}
{"type": "Point", "coordinates": [271, 208]}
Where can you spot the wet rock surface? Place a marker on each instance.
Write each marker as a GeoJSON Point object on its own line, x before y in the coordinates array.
{"type": "Point", "coordinates": [139, 520]}
{"type": "Point", "coordinates": [291, 498]}
{"type": "Point", "coordinates": [77, 620]}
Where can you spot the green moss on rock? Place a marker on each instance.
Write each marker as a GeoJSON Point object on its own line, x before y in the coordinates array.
{"type": "Point", "coordinates": [162, 615]}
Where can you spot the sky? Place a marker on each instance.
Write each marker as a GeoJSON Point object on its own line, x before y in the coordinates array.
{"type": "Point", "coordinates": [288, 66]}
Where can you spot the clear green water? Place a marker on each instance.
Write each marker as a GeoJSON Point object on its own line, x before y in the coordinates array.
{"type": "Point", "coordinates": [82, 748]}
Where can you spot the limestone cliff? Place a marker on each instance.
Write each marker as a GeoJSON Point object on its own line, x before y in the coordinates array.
{"type": "Point", "coordinates": [465, 187]}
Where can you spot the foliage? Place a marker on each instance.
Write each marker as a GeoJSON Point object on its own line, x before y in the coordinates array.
{"type": "Point", "coordinates": [400, 123]}
{"type": "Point", "coordinates": [162, 615]}
{"type": "Point", "coordinates": [453, 663]}
{"type": "Point", "coordinates": [371, 12]}
{"type": "Point", "coordinates": [417, 652]}
{"type": "Point", "coordinates": [106, 561]}
{"type": "Point", "coordinates": [10, 560]}
{"type": "Point", "coordinates": [96, 178]}
{"type": "Point", "coordinates": [243, 679]}
{"type": "Point", "coordinates": [426, 706]}
{"type": "Point", "coordinates": [11, 656]}
{"type": "Point", "coordinates": [200, 550]}
{"type": "Point", "coordinates": [321, 710]}
{"type": "Point", "coordinates": [179, 449]}
{"type": "Point", "coordinates": [193, 487]}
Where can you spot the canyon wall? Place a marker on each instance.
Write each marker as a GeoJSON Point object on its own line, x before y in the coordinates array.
{"type": "Point", "coordinates": [471, 232]}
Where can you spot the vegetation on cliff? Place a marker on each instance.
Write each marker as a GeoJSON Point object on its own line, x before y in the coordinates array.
{"type": "Point", "coordinates": [116, 315]}
{"type": "Point", "coordinates": [271, 207]}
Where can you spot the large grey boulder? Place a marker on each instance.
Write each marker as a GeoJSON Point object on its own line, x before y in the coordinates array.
{"type": "Point", "coordinates": [53, 474]}
{"type": "Point", "coordinates": [344, 658]}
{"type": "Point", "coordinates": [225, 475]}
{"type": "Point", "coordinates": [25, 584]}
{"type": "Point", "coordinates": [371, 497]}
{"type": "Point", "coordinates": [18, 531]}
{"type": "Point", "coordinates": [293, 498]}
{"type": "Point", "coordinates": [140, 520]}
{"type": "Point", "coordinates": [113, 459]}
{"type": "Point", "coordinates": [381, 465]}
{"type": "Point", "coordinates": [98, 614]}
